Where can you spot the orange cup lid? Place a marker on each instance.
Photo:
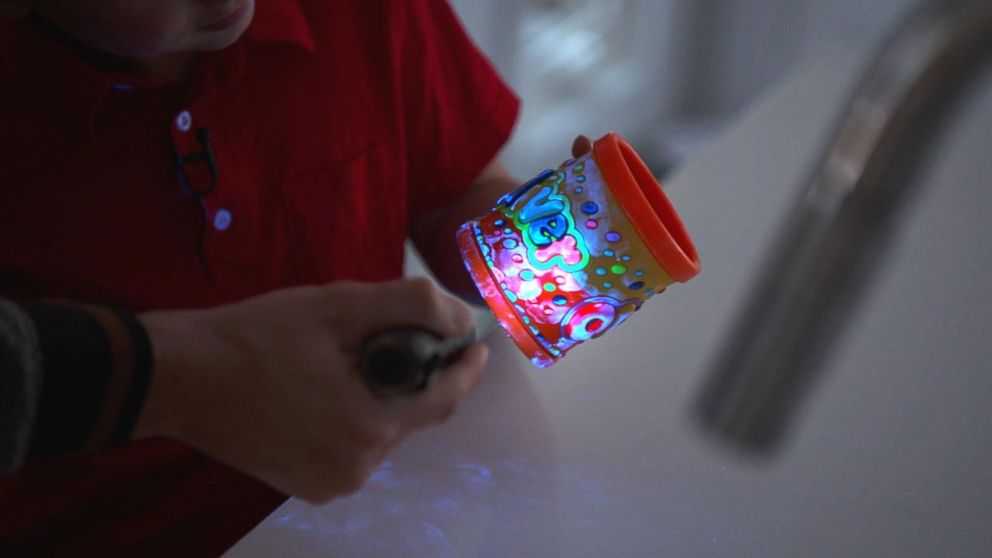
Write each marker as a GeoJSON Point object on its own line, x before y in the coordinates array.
{"type": "Point", "coordinates": [646, 205]}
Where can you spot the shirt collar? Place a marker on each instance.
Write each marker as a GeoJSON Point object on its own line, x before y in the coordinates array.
{"type": "Point", "coordinates": [75, 89]}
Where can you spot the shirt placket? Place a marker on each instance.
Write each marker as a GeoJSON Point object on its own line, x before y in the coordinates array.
{"type": "Point", "coordinates": [200, 172]}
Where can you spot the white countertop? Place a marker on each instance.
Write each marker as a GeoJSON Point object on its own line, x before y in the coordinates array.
{"type": "Point", "coordinates": [597, 456]}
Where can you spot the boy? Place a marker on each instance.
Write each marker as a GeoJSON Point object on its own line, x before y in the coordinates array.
{"type": "Point", "coordinates": [192, 153]}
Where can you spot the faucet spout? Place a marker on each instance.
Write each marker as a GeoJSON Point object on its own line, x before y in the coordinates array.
{"type": "Point", "coordinates": [837, 229]}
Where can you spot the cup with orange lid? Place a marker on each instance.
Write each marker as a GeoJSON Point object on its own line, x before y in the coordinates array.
{"type": "Point", "coordinates": [573, 252]}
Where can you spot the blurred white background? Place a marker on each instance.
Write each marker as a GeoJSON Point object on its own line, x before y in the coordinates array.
{"type": "Point", "coordinates": [664, 73]}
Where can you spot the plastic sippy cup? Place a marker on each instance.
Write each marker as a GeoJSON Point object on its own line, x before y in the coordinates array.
{"type": "Point", "coordinates": [573, 252]}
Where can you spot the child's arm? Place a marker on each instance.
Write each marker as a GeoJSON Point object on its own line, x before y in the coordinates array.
{"type": "Point", "coordinates": [270, 385]}
{"type": "Point", "coordinates": [434, 233]}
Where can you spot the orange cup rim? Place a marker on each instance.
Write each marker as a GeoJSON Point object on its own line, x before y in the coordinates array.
{"type": "Point", "coordinates": [646, 205]}
{"type": "Point", "coordinates": [500, 306]}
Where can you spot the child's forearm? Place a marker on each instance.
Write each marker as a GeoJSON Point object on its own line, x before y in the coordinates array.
{"type": "Point", "coordinates": [434, 234]}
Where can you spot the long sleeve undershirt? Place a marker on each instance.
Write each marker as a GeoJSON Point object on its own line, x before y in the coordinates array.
{"type": "Point", "coordinates": [72, 378]}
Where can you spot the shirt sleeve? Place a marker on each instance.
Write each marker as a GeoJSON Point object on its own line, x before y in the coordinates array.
{"type": "Point", "coordinates": [459, 111]}
{"type": "Point", "coordinates": [74, 378]}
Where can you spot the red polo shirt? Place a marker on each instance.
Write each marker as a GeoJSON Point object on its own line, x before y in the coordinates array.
{"type": "Point", "coordinates": [296, 156]}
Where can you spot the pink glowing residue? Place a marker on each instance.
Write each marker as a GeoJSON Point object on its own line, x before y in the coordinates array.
{"type": "Point", "coordinates": [566, 248]}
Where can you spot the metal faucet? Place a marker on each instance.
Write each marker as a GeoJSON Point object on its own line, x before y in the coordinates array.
{"type": "Point", "coordinates": [841, 221]}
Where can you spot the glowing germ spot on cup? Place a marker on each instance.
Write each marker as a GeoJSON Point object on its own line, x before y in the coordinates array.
{"type": "Point", "coordinates": [529, 290]}
{"type": "Point", "coordinates": [636, 286]}
{"type": "Point", "coordinates": [600, 271]}
{"type": "Point", "coordinates": [618, 269]}
{"type": "Point", "coordinates": [578, 190]}
{"type": "Point", "coordinates": [550, 287]}
{"type": "Point", "coordinates": [526, 275]}
{"type": "Point", "coordinates": [560, 300]}
{"type": "Point", "coordinates": [592, 224]}
{"type": "Point", "coordinates": [580, 178]}
{"type": "Point", "coordinates": [499, 223]}
{"type": "Point", "coordinates": [607, 285]}
{"type": "Point", "coordinates": [639, 273]}
{"type": "Point", "coordinates": [566, 253]}
{"type": "Point", "coordinates": [590, 208]}
{"type": "Point", "coordinates": [517, 258]}
{"type": "Point", "coordinates": [560, 280]}
{"type": "Point", "coordinates": [613, 236]}
{"type": "Point", "coordinates": [589, 318]}
{"type": "Point", "coordinates": [608, 253]}
{"type": "Point", "coordinates": [626, 257]}
{"type": "Point", "coordinates": [509, 243]}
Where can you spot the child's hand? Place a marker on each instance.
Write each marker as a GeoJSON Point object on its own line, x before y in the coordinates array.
{"type": "Point", "coordinates": [270, 387]}
{"type": "Point", "coordinates": [581, 146]}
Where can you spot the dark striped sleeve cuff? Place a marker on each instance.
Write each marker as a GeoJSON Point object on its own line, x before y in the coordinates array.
{"type": "Point", "coordinates": [96, 367]}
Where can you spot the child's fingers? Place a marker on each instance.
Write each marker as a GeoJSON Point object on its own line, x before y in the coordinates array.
{"type": "Point", "coordinates": [407, 302]}
{"type": "Point", "coordinates": [450, 388]}
{"type": "Point", "coordinates": [581, 146]}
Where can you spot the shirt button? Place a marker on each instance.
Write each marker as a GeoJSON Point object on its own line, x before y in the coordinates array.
{"type": "Point", "coordinates": [222, 219]}
{"type": "Point", "coordinates": [184, 121]}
